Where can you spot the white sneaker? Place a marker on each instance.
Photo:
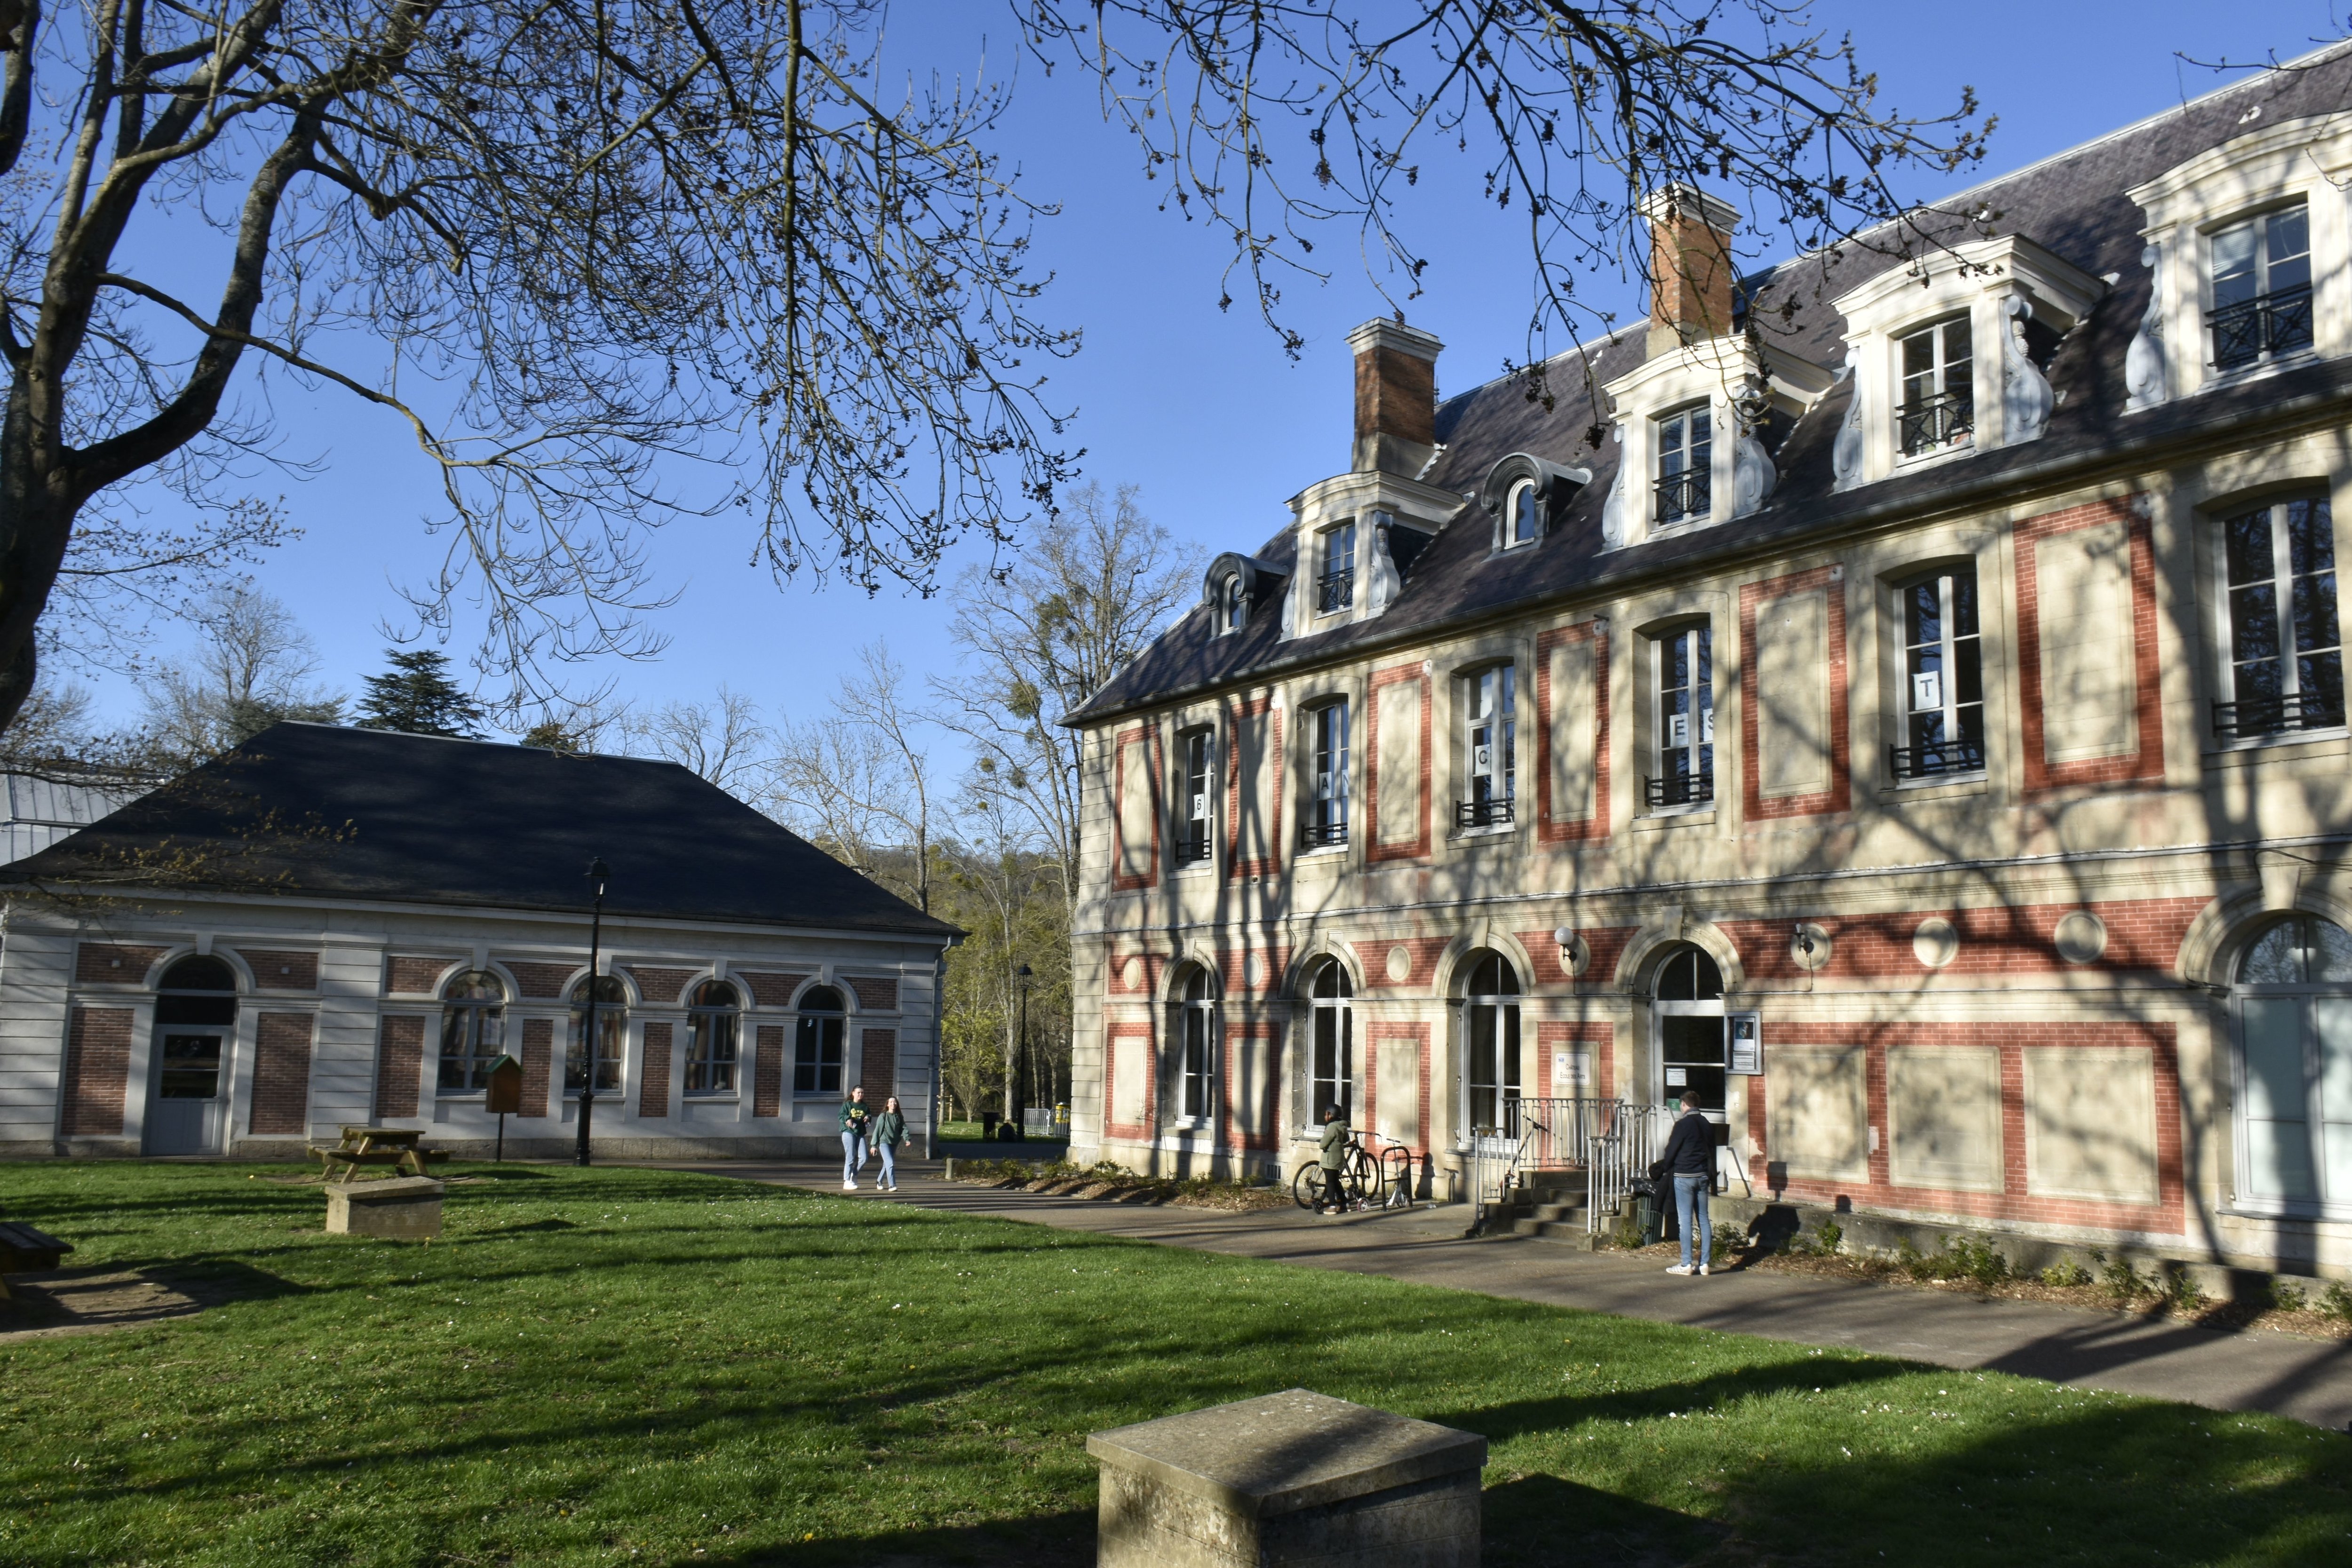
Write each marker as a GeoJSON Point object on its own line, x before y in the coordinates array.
{"type": "Point", "coordinates": [1702, 1270]}
{"type": "Point", "coordinates": [1678, 1268]}
{"type": "Point", "coordinates": [850, 1186]}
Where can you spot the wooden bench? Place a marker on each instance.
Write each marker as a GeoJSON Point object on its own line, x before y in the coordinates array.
{"type": "Point", "coordinates": [24, 1250]}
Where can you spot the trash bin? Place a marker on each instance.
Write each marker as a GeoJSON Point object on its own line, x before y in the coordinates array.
{"type": "Point", "coordinates": [1647, 1220]}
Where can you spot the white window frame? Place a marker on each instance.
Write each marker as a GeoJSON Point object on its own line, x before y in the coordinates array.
{"type": "Point", "coordinates": [1935, 332]}
{"type": "Point", "coordinates": [575, 1024]}
{"type": "Point", "coordinates": [1507, 1046]}
{"type": "Point", "coordinates": [1232, 607]}
{"type": "Point", "coordinates": [2225, 630]}
{"type": "Point", "coordinates": [1668, 420]}
{"type": "Point", "coordinates": [703, 1021]}
{"type": "Point", "coordinates": [2260, 222]}
{"type": "Point", "coordinates": [1947, 645]}
{"type": "Point", "coordinates": [1490, 696]}
{"type": "Point", "coordinates": [1337, 551]}
{"type": "Point", "coordinates": [1196, 1024]}
{"type": "Point", "coordinates": [1332, 1017]}
{"type": "Point", "coordinates": [1519, 507]}
{"type": "Point", "coordinates": [2323, 1205]}
{"type": "Point", "coordinates": [1200, 807]}
{"type": "Point", "coordinates": [839, 1018]}
{"type": "Point", "coordinates": [1664, 737]}
{"type": "Point", "coordinates": [1327, 773]}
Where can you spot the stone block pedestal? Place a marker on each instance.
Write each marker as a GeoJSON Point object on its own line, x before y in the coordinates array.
{"type": "Point", "coordinates": [1288, 1478]}
{"type": "Point", "coordinates": [408, 1207]}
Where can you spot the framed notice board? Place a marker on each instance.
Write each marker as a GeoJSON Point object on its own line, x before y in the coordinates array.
{"type": "Point", "coordinates": [1744, 1041]}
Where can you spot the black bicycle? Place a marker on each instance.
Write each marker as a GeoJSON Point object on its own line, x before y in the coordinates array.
{"type": "Point", "coordinates": [1360, 1181]}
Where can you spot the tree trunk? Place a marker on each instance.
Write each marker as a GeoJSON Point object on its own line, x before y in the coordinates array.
{"type": "Point", "coordinates": [35, 525]}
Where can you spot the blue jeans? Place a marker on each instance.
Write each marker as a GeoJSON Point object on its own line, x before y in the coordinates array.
{"type": "Point", "coordinates": [1691, 1192]}
{"type": "Point", "coordinates": [853, 1154]}
{"type": "Point", "coordinates": [889, 1163]}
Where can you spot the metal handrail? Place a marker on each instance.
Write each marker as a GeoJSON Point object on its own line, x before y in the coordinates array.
{"type": "Point", "coordinates": [2251, 716]}
{"type": "Point", "coordinates": [1680, 789]}
{"type": "Point", "coordinates": [2274, 323]}
{"type": "Point", "coordinates": [1482, 813]}
{"type": "Point", "coordinates": [1316, 835]}
{"type": "Point", "coordinates": [1690, 493]}
{"type": "Point", "coordinates": [1192, 847]}
{"type": "Point", "coordinates": [1935, 759]}
{"type": "Point", "coordinates": [1339, 590]}
{"type": "Point", "coordinates": [1629, 1145]}
{"type": "Point", "coordinates": [1934, 423]}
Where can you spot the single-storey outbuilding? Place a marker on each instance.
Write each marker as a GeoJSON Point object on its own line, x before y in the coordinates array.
{"type": "Point", "coordinates": [330, 926]}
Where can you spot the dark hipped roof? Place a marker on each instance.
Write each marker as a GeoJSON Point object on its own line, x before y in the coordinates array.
{"type": "Point", "coordinates": [310, 810]}
{"type": "Point", "coordinates": [2074, 203]}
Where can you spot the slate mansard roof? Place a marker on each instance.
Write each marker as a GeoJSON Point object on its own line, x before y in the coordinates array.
{"type": "Point", "coordinates": [314, 811]}
{"type": "Point", "coordinates": [2074, 203]}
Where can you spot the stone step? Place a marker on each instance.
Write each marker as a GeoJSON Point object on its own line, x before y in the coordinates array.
{"type": "Point", "coordinates": [1564, 1233]}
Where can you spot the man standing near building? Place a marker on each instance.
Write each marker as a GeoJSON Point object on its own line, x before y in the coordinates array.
{"type": "Point", "coordinates": [1689, 1162]}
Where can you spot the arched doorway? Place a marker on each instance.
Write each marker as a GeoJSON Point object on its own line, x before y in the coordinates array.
{"type": "Point", "coordinates": [1490, 1039]}
{"type": "Point", "coordinates": [2293, 1001]}
{"type": "Point", "coordinates": [1687, 1027]}
{"type": "Point", "coordinates": [195, 1024]}
{"type": "Point", "coordinates": [1330, 1043]}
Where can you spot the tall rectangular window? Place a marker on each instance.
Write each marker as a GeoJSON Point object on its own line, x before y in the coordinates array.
{"type": "Point", "coordinates": [1682, 669]}
{"type": "Point", "coordinates": [1338, 583]}
{"type": "Point", "coordinates": [1943, 685]}
{"type": "Point", "coordinates": [1940, 400]}
{"type": "Point", "coordinates": [2286, 659]}
{"type": "Point", "coordinates": [2262, 288]}
{"type": "Point", "coordinates": [1685, 484]}
{"type": "Point", "coordinates": [1490, 711]}
{"type": "Point", "coordinates": [1326, 813]}
{"type": "Point", "coordinates": [1199, 747]}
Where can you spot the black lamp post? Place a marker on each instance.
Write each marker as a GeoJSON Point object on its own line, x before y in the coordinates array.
{"type": "Point", "coordinates": [597, 873]}
{"type": "Point", "coordinates": [1022, 1109]}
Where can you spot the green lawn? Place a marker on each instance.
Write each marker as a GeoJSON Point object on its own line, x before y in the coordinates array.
{"type": "Point", "coordinates": [619, 1366]}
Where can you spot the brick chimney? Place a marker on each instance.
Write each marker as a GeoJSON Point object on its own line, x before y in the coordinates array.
{"type": "Point", "coordinates": [1396, 397]}
{"type": "Point", "coordinates": [1691, 270]}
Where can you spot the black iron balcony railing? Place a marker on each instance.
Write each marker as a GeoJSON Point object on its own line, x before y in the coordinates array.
{"type": "Point", "coordinates": [1192, 847]}
{"type": "Point", "coordinates": [1322, 834]}
{"type": "Point", "coordinates": [1482, 813]}
{"type": "Point", "coordinates": [1947, 419]}
{"type": "Point", "coordinates": [1685, 495]}
{"type": "Point", "coordinates": [1936, 760]}
{"type": "Point", "coordinates": [1339, 590]}
{"type": "Point", "coordinates": [2278, 323]}
{"type": "Point", "coordinates": [2251, 717]}
{"type": "Point", "coordinates": [1681, 789]}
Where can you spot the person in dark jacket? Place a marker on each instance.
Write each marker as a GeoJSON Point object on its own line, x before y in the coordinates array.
{"type": "Point", "coordinates": [888, 1131]}
{"type": "Point", "coordinates": [1333, 1158]}
{"type": "Point", "coordinates": [854, 1119]}
{"type": "Point", "coordinates": [1689, 1163]}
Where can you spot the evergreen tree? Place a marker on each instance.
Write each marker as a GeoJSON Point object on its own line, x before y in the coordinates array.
{"type": "Point", "coordinates": [418, 697]}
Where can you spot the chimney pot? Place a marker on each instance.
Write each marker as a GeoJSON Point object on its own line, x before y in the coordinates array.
{"type": "Point", "coordinates": [1396, 397]}
{"type": "Point", "coordinates": [1691, 267]}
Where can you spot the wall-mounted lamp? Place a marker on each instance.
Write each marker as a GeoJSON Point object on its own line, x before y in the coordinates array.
{"type": "Point", "coordinates": [1574, 955]}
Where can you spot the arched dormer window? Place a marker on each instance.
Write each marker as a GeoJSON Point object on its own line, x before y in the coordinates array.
{"type": "Point", "coordinates": [1526, 496]}
{"type": "Point", "coordinates": [816, 1046]}
{"type": "Point", "coordinates": [1522, 521]}
{"type": "Point", "coordinates": [612, 1030]}
{"type": "Point", "coordinates": [714, 1025]}
{"type": "Point", "coordinates": [1233, 607]}
{"type": "Point", "coordinates": [473, 1030]}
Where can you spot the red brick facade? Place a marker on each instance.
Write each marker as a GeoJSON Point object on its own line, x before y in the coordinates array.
{"type": "Point", "coordinates": [274, 970]}
{"type": "Point", "coordinates": [2148, 760]}
{"type": "Point", "coordinates": [1372, 958]}
{"type": "Point", "coordinates": [876, 993]}
{"type": "Point", "coordinates": [653, 1091]}
{"type": "Point", "coordinates": [414, 977]}
{"type": "Point", "coordinates": [768, 1072]}
{"type": "Point", "coordinates": [1599, 1033]}
{"type": "Point", "coordinates": [538, 980]}
{"type": "Point", "coordinates": [660, 987]}
{"type": "Point", "coordinates": [98, 1069]}
{"type": "Point", "coordinates": [281, 1074]}
{"type": "Point", "coordinates": [2142, 934]}
{"type": "Point", "coordinates": [538, 1064]}
{"type": "Point", "coordinates": [877, 1064]}
{"type": "Point", "coordinates": [114, 963]}
{"type": "Point", "coordinates": [1551, 828]}
{"type": "Point", "coordinates": [399, 1068]}
{"type": "Point", "coordinates": [771, 990]}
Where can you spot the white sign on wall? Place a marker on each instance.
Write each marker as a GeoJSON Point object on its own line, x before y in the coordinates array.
{"type": "Point", "coordinates": [1744, 1035]}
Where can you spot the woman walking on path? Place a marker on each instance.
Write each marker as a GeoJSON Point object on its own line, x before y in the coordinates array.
{"type": "Point", "coordinates": [854, 1119]}
{"type": "Point", "coordinates": [1690, 1160]}
{"type": "Point", "coordinates": [890, 1131]}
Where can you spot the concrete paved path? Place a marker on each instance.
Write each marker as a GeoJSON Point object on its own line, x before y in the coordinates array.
{"type": "Point", "coordinates": [2309, 1380]}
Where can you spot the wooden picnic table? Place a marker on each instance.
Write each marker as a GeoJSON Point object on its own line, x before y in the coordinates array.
{"type": "Point", "coordinates": [394, 1146]}
{"type": "Point", "coordinates": [24, 1250]}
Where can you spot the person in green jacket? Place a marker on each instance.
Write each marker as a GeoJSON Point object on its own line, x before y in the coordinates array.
{"type": "Point", "coordinates": [1333, 1158]}
{"type": "Point", "coordinates": [854, 1119]}
{"type": "Point", "coordinates": [890, 1131]}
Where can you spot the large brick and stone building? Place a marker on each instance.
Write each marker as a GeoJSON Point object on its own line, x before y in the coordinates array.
{"type": "Point", "coordinates": [331, 926]}
{"type": "Point", "coordinates": [1946, 673]}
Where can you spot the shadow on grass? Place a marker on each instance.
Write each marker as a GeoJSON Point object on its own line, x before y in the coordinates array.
{"type": "Point", "coordinates": [1048, 1540]}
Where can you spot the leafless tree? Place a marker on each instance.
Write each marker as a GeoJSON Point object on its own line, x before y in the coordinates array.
{"type": "Point", "coordinates": [860, 780]}
{"type": "Point", "coordinates": [724, 740]}
{"type": "Point", "coordinates": [250, 668]}
{"type": "Point", "coordinates": [582, 240]}
{"type": "Point", "coordinates": [1273, 120]}
{"type": "Point", "coordinates": [1088, 593]}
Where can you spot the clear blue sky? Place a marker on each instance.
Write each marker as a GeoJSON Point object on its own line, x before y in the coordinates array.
{"type": "Point", "coordinates": [1199, 408]}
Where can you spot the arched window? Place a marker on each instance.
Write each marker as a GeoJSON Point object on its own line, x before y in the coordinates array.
{"type": "Point", "coordinates": [816, 1048]}
{"type": "Point", "coordinates": [1521, 525]}
{"type": "Point", "coordinates": [1196, 1046]}
{"type": "Point", "coordinates": [473, 1030]}
{"type": "Point", "coordinates": [1686, 1011]}
{"type": "Point", "coordinates": [612, 1029]}
{"type": "Point", "coordinates": [2294, 1001]}
{"type": "Point", "coordinates": [714, 1021]}
{"type": "Point", "coordinates": [1233, 605]}
{"type": "Point", "coordinates": [1491, 1032]}
{"type": "Point", "coordinates": [196, 1006]}
{"type": "Point", "coordinates": [1332, 1064]}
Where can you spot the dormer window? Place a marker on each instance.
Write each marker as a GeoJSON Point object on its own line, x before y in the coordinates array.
{"type": "Point", "coordinates": [2262, 288]}
{"type": "Point", "coordinates": [1686, 482]}
{"type": "Point", "coordinates": [1938, 412]}
{"type": "Point", "coordinates": [1335, 590]}
{"type": "Point", "coordinates": [1233, 606]}
{"type": "Point", "coordinates": [1522, 524]}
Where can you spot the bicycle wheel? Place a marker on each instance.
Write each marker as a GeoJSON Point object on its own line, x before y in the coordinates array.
{"type": "Point", "coordinates": [1363, 1176]}
{"type": "Point", "coordinates": [1306, 1186]}
{"type": "Point", "coordinates": [1396, 1176]}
